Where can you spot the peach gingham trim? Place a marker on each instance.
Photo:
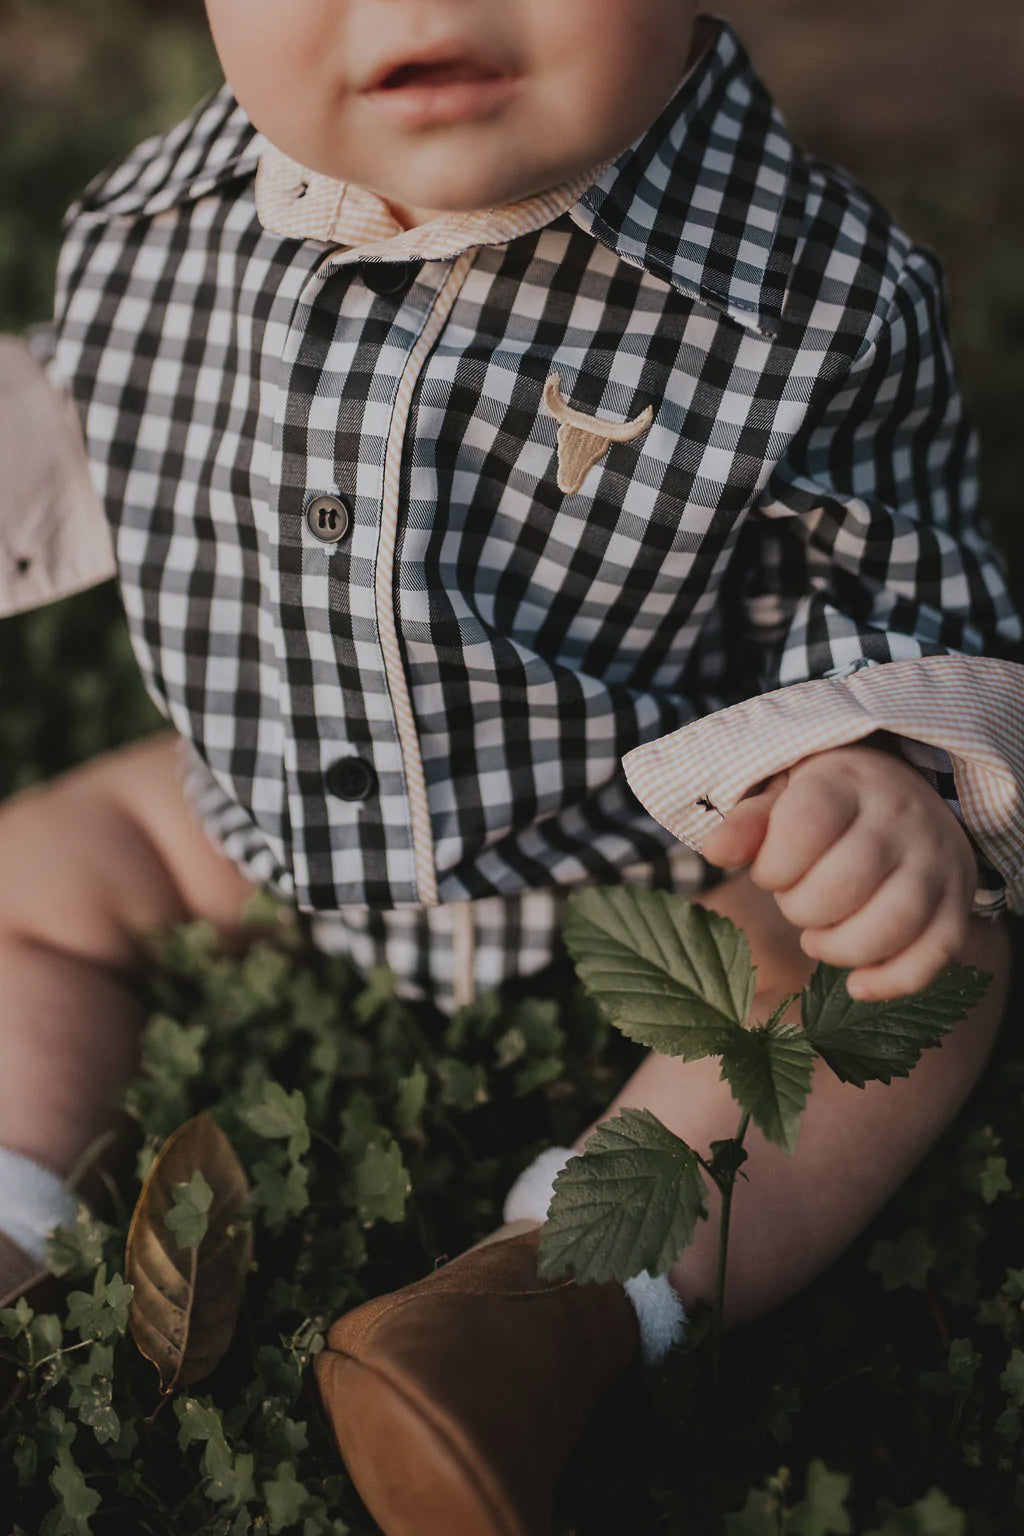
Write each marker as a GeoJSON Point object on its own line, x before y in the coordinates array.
{"type": "Point", "coordinates": [416, 785]}
{"type": "Point", "coordinates": [972, 707]}
{"type": "Point", "coordinates": [301, 204]}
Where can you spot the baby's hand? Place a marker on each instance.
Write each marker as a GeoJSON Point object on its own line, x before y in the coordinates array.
{"type": "Point", "coordinates": [863, 855]}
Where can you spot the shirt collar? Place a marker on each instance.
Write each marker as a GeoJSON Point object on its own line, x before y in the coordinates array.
{"type": "Point", "coordinates": [707, 199]}
{"type": "Point", "coordinates": [699, 199]}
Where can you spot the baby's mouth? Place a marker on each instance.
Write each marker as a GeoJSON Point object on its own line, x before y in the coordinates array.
{"type": "Point", "coordinates": [444, 72]}
{"type": "Point", "coordinates": [424, 93]}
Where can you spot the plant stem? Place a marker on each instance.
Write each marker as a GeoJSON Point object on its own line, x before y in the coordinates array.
{"type": "Point", "coordinates": [726, 1187]}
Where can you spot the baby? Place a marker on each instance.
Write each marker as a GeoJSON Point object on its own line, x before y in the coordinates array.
{"type": "Point", "coordinates": [481, 395]}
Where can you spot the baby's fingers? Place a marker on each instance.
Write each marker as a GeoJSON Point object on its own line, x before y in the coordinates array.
{"type": "Point", "coordinates": [938, 946]}
{"type": "Point", "coordinates": [736, 840]}
{"type": "Point", "coordinates": [902, 909]}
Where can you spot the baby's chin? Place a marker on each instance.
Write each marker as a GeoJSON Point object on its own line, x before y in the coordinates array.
{"type": "Point", "coordinates": [457, 179]}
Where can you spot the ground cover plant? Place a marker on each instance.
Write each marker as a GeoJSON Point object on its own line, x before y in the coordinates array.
{"type": "Point", "coordinates": [376, 1138]}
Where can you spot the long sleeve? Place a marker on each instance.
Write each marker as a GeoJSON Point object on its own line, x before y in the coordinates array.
{"type": "Point", "coordinates": [54, 536]}
{"type": "Point", "coordinates": [871, 601]}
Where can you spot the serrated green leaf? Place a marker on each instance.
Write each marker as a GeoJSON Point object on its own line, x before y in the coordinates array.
{"type": "Point", "coordinates": [630, 1202]}
{"type": "Point", "coordinates": [769, 1072]}
{"type": "Point", "coordinates": [876, 1041]}
{"type": "Point", "coordinates": [905, 1262]}
{"type": "Point", "coordinates": [670, 974]}
{"type": "Point", "coordinates": [823, 1510]}
{"type": "Point", "coordinates": [189, 1216]}
{"type": "Point", "coordinates": [381, 1184]}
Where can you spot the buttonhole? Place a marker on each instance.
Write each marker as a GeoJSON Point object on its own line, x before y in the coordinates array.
{"type": "Point", "coordinates": [22, 566]}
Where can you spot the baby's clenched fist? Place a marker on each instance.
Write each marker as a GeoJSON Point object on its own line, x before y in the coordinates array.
{"type": "Point", "coordinates": [863, 856]}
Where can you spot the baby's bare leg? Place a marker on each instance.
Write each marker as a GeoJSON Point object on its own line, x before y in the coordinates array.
{"type": "Point", "coordinates": [89, 862]}
{"type": "Point", "coordinates": [796, 1213]}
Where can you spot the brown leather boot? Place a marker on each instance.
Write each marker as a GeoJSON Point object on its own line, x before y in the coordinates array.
{"type": "Point", "coordinates": [456, 1401]}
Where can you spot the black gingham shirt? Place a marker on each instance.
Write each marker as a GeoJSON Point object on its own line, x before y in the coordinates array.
{"type": "Point", "coordinates": [802, 503]}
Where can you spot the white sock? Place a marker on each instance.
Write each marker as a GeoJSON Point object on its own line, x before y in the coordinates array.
{"type": "Point", "coordinates": [33, 1201]}
{"type": "Point", "coordinates": [659, 1312]}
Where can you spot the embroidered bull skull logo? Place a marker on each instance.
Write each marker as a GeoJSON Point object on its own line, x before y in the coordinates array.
{"type": "Point", "coordinates": [582, 439]}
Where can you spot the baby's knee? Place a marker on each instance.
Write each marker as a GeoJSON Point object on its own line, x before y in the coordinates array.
{"type": "Point", "coordinates": [109, 850]}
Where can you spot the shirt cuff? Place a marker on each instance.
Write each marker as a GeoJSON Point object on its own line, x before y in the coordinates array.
{"type": "Point", "coordinates": [969, 707]}
{"type": "Point", "coordinates": [54, 534]}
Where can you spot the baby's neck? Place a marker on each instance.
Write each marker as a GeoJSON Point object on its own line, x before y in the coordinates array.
{"type": "Point", "coordinates": [411, 218]}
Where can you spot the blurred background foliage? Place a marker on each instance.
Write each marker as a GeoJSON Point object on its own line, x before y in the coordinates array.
{"type": "Point", "coordinates": [922, 99]}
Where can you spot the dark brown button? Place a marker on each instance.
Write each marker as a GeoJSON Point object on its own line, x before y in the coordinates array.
{"type": "Point", "coordinates": [389, 279]}
{"type": "Point", "coordinates": [351, 779]}
{"type": "Point", "coordinates": [328, 519]}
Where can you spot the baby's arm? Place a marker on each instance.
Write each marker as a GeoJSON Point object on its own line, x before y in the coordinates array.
{"type": "Point", "coordinates": [863, 856]}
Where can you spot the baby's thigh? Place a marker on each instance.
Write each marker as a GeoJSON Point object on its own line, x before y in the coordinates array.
{"type": "Point", "coordinates": [109, 850]}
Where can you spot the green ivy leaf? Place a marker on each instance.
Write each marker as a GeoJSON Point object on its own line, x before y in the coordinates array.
{"type": "Point", "coordinates": [46, 1333]}
{"type": "Point", "coordinates": [280, 1193]}
{"type": "Point", "coordinates": [758, 1517]}
{"type": "Point", "coordinates": [172, 1050]}
{"type": "Point", "coordinates": [538, 1074]}
{"type": "Point", "coordinates": [381, 1184]}
{"type": "Point", "coordinates": [993, 1180]}
{"type": "Point", "coordinates": [905, 1262]}
{"type": "Point", "coordinates": [230, 1479]}
{"type": "Point", "coordinates": [16, 1321]}
{"type": "Point", "coordinates": [412, 1099]}
{"type": "Point", "coordinates": [91, 1393]}
{"type": "Point", "coordinates": [823, 1510]}
{"type": "Point", "coordinates": [1012, 1379]}
{"type": "Point", "coordinates": [936, 1516]}
{"type": "Point", "coordinates": [198, 1422]}
{"type": "Point", "coordinates": [630, 1202]}
{"type": "Point", "coordinates": [876, 1041]}
{"type": "Point", "coordinates": [102, 1313]}
{"type": "Point", "coordinates": [285, 1497]}
{"type": "Point", "coordinates": [77, 1249]}
{"type": "Point", "coordinates": [463, 1084]}
{"type": "Point", "coordinates": [769, 1072]}
{"type": "Point", "coordinates": [670, 975]}
{"type": "Point", "coordinates": [77, 1500]}
{"type": "Point", "coordinates": [280, 1116]}
{"type": "Point", "coordinates": [188, 1217]}
{"type": "Point", "coordinates": [25, 1459]}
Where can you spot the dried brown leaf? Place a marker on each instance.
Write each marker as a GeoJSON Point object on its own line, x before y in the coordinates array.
{"type": "Point", "coordinates": [186, 1300]}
